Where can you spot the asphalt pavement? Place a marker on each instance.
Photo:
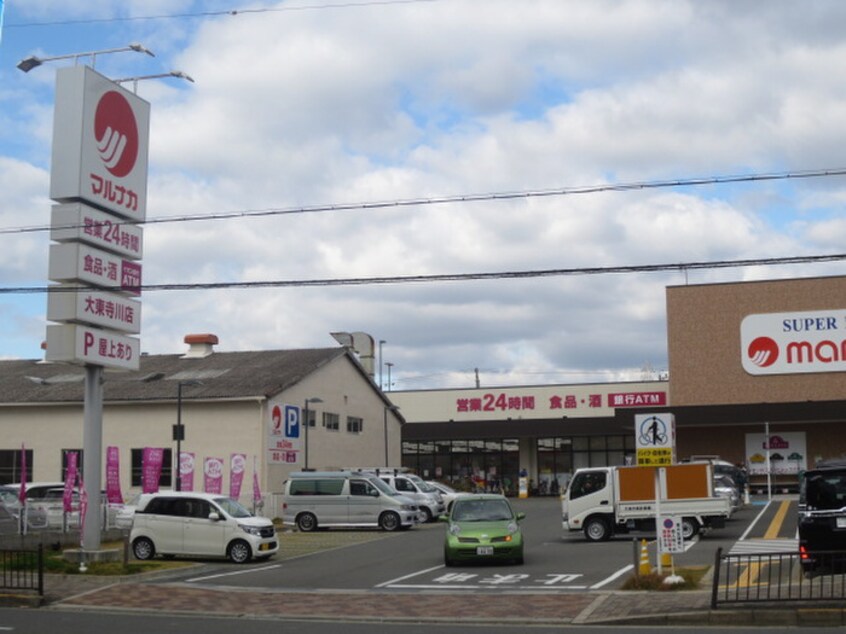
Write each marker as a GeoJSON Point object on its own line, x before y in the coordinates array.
{"type": "Point", "coordinates": [166, 592]}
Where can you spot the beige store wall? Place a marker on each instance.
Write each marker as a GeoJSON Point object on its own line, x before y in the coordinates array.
{"type": "Point", "coordinates": [703, 332]}
{"type": "Point", "coordinates": [215, 429]}
{"type": "Point", "coordinates": [344, 391]}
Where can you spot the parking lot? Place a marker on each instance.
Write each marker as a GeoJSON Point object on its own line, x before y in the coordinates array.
{"type": "Point", "coordinates": [412, 561]}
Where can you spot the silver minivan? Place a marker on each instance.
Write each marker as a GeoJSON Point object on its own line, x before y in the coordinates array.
{"type": "Point", "coordinates": [427, 497]}
{"type": "Point", "coordinates": [314, 499]}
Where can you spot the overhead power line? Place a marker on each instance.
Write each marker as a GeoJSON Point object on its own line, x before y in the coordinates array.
{"type": "Point", "coordinates": [482, 197]}
{"type": "Point", "coordinates": [451, 277]}
{"type": "Point", "coordinates": [212, 14]}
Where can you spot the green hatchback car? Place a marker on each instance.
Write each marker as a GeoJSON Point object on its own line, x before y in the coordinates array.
{"type": "Point", "coordinates": [483, 527]}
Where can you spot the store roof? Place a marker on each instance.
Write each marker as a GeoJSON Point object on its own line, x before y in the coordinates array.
{"type": "Point", "coordinates": [222, 374]}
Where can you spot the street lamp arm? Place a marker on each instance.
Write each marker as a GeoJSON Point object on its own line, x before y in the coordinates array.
{"type": "Point", "coordinates": [33, 61]}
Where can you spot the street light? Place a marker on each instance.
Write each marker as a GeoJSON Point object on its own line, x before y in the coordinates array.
{"type": "Point", "coordinates": [390, 408]}
{"type": "Point", "coordinates": [390, 365]}
{"type": "Point", "coordinates": [381, 384]}
{"type": "Point", "coordinates": [34, 61]}
{"type": "Point", "coordinates": [179, 429]}
{"type": "Point", "coordinates": [174, 73]}
{"type": "Point", "coordinates": [313, 399]}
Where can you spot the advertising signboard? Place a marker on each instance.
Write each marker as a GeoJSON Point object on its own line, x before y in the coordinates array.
{"type": "Point", "coordinates": [796, 342]}
{"type": "Point", "coordinates": [284, 437]}
{"type": "Point", "coordinates": [76, 222]}
{"type": "Point", "coordinates": [788, 453]}
{"type": "Point", "coordinates": [78, 262]}
{"type": "Point", "coordinates": [98, 308]}
{"type": "Point", "coordinates": [72, 343]}
{"type": "Point", "coordinates": [100, 143]}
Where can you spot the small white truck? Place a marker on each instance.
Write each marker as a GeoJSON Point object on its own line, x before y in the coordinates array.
{"type": "Point", "coordinates": [603, 501]}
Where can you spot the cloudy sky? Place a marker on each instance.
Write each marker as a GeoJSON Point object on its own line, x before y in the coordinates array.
{"type": "Point", "coordinates": [301, 105]}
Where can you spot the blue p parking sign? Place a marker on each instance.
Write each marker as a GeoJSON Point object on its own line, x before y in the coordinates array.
{"type": "Point", "coordinates": [292, 421]}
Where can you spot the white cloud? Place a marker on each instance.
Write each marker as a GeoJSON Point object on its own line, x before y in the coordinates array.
{"type": "Point", "coordinates": [398, 102]}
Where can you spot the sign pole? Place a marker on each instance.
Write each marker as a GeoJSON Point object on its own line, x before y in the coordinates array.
{"type": "Point", "coordinates": [92, 447]}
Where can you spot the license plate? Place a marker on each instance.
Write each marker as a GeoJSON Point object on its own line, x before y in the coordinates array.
{"type": "Point", "coordinates": [265, 546]}
{"type": "Point", "coordinates": [841, 522]}
{"type": "Point", "coordinates": [484, 550]}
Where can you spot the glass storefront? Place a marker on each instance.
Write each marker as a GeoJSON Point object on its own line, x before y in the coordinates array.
{"type": "Point", "coordinates": [494, 465]}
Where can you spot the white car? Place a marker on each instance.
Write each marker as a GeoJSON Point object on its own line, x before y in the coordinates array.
{"type": "Point", "coordinates": [200, 525]}
{"type": "Point", "coordinates": [449, 494]}
{"type": "Point", "coordinates": [126, 513]}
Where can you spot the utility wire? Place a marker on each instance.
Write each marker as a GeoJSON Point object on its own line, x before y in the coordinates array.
{"type": "Point", "coordinates": [466, 198]}
{"type": "Point", "coordinates": [211, 14]}
{"type": "Point", "coordinates": [446, 277]}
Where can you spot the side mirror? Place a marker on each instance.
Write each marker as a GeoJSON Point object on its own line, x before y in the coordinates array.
{"type": "Point", "coordinates": [214, 517]}
{"type": "Point", "coordinates": [375, 493]}
{"type": "Point", "coordinates": [521, 516]}
{"type": "Point", "coordinates": [443, 518]}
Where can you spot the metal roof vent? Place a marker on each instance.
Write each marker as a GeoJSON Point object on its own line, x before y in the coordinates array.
{"type": "Point", "coordinates": [200, 346]}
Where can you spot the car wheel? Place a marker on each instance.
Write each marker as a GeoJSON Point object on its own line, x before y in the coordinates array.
{"type": "Point", "coordinates": [597, 529]}
{"type": "Point", "coordinates": [427, 514]}
{"type": "Point", "coordinates": [389, 521]}
{"type": "Point", "coordinates": [240, 552]}
{"type": "Point", "coordinates": [143, 549]}
{"type": "Point", "coordinates": [307, 522]}
{"type": "Point", "coordinates": [690, 527]}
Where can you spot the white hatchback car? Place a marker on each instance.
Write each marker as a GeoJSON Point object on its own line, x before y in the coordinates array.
{"type": "Point", "coordinates": [200, 525]}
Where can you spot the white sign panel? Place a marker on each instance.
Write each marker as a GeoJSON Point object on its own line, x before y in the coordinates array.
{"type": "Point", "coordinates": [284, 434]}
{"type": "Point", "coordinates": [100, 143]}
{"type": "Point", "coordinates": [791, 343]}
{"type": "Point", "coordinates": [77, 262]}
{"type": "Point", "coordinates": [670, 536]}
{"type": "Point", "coordinates": [70, 343]}
{"type": "Point", "coordinates": [655, 439]}
{"type": "Point", "coordinates": [75, 222]}
{"type": "Point", "coordinates": [99, 308]}
{"type": "Point", "coordinates": [788, 453]}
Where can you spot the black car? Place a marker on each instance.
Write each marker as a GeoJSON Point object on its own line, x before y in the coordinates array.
{"type": "Point", "coordinates": [822, 517]}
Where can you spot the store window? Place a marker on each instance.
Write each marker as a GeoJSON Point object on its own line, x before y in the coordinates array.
{"type": "Point", "coordinates": [11, 462]}
{"type": "Point", "coordinates": [137, 475]}
{"type": "Point", "coordinates": [331, 421]}
{"type": "Point", "coordinates": [355, 425]}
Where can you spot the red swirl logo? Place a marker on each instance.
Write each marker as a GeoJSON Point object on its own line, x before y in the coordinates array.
{"type": "Point", "coordinates": [763, 352]}
{"type": "Point", "coordinates": [116, 132]}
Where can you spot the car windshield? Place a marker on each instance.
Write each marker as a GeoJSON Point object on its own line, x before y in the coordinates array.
{"type": "Point", "coordinates": [423, 485]}
{"type": "Point", "coordinates": [482, 511]}
{"type": "Point", "coordinates": [232, 508]}
{"type": "Point", "coordinates": [383, 486]}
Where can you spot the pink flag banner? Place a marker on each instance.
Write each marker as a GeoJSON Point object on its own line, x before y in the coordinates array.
{"type": "Point", "coordinates": [213, 475]}
{"type": "Point", "coordinates": [83, 509]}
{"type": "Point", "coordinates": [70, 481]}
{"type": "Point", "coordinates": [151, 462]}
{"type": "Point", "coordinates": [22, 492]}
{"type": "Point", "coordinates": [186, 471]}
{"type": "Point", "coordinates": [237, 466]}
{"type": "Point", "coordinates": [113, 493]}
{"type": "Point", "coordinates": [256, 487]}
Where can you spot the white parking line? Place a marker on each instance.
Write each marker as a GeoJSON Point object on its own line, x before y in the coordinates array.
{"type": "Point", "coordinates": [232, 574]}
{"type": "Point", "coordinates": [413, 574]}
{"type": "Point", "coordinates": [616, 575]}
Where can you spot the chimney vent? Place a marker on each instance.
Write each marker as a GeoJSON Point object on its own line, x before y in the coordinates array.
{"type": "Point", "coordinates": [200, 346]}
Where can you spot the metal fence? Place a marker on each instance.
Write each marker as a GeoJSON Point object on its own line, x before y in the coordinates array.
{"type": "Point", "coordinates": [778, 576]}
{"type": "Point", "coordinates": [22, 570]}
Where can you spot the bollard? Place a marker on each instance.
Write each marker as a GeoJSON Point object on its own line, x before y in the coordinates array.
{"type": "Point", "coordinates": [645, 568]}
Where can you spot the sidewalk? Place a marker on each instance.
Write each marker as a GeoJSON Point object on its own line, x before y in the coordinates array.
{"type": "Point", "coordinates": [635, 608]}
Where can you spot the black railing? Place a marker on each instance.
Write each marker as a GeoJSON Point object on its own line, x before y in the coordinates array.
{"type": "Point", "coordinates": [778, 576]}
{"type": "Point", "coordinates": [22, 570]}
